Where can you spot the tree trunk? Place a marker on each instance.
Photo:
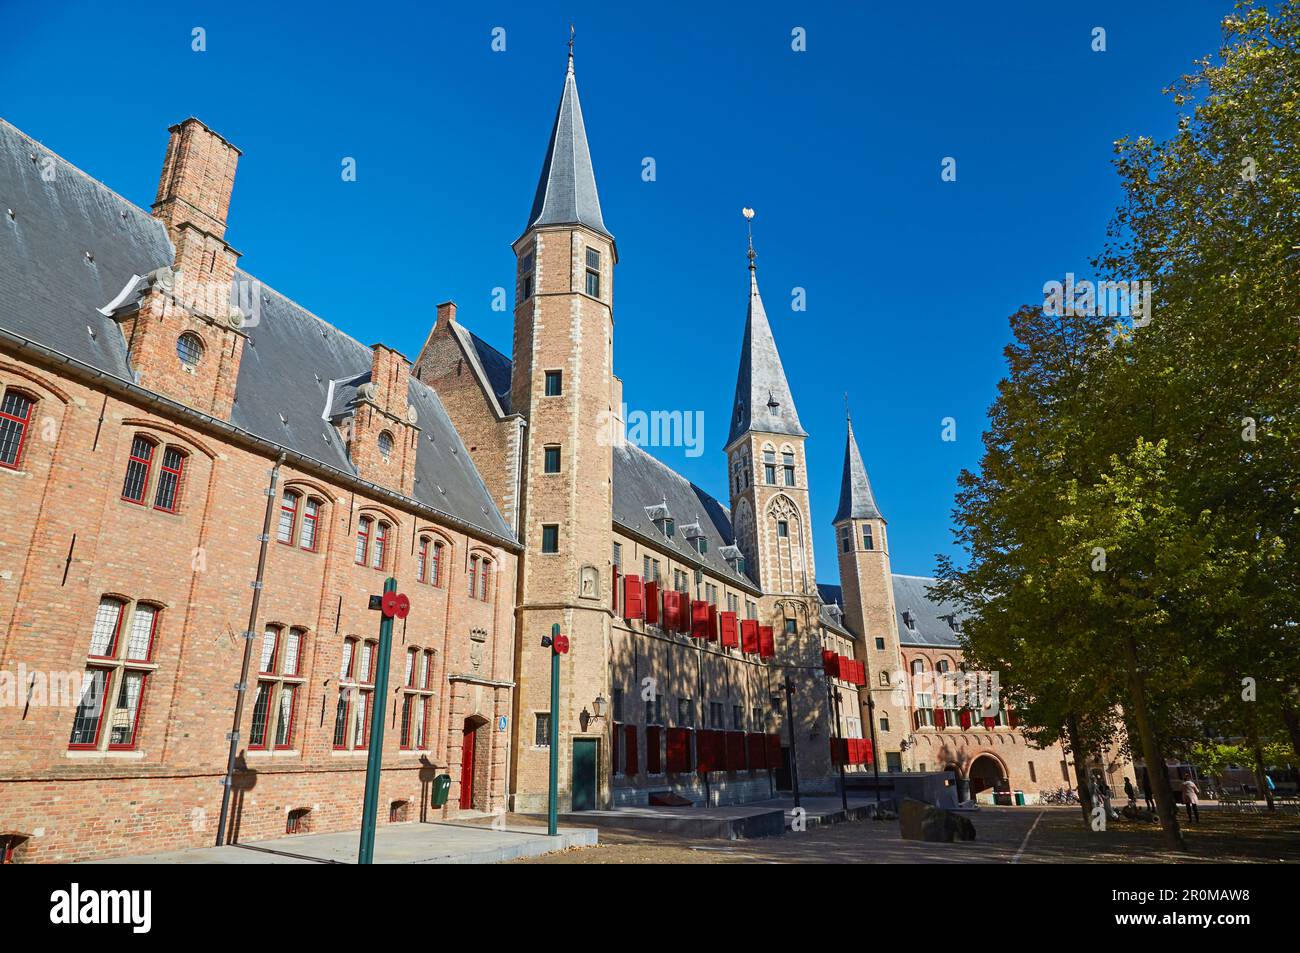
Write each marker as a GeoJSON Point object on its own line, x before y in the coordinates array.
{"type": "Point", "coordinates": [1291, 719]}
{"type": "Point", "coordinates": [1260, 774]}
{"type": "Point", "coordinates": [1080, 768]}
{"type": "Point", "coordinates": [1157, 772]}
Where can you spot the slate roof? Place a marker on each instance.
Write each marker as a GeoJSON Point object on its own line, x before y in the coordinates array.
{"type": "Point", "coordinates": [640, 481]}
{"type": "Point", "coordinates": [566, 190]}
{"type": "Point", "coordinates": [856, 499]}
{"type": "Point", "coordinates": [911, 594]}
{"type": "Point", "coordinates": [50, 293]}
{"type": "Point", "coordinates": [760, 381]}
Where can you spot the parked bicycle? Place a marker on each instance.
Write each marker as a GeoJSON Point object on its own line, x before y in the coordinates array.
{"type": "Point", "coordinates": [1058, 796]}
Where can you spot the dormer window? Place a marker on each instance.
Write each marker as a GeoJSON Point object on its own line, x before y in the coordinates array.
{"type": "Point", "coordinates": [385, 445]}
{"type": "Point", "coordinates": [909, 620]}
{"type": "Point", "coordinates": [669, 526]}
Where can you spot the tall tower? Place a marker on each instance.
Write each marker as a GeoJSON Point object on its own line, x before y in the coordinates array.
{"type": "Point", "coordinates": [770, 511]}
{"type": "Point", "coordinates": [766, 464]}
{"type": "Point", "coordinates": [561, 384]}
{"type": "Point", "coordinates": [868, 588]}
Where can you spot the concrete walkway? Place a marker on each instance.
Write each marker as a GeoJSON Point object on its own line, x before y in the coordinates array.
{"type": "Point", "coordinates": [769, 817]}
{"type": "Point", "coordinates": [413, 843]}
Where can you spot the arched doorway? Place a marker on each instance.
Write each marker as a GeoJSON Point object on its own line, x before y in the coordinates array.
{"type": "Point", "coordinates": [985, 772]}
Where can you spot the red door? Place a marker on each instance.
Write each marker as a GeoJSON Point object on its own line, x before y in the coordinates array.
{"type": "Point", "coordinates": [467, 770]}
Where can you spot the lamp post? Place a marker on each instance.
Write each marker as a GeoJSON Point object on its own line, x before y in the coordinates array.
{"type": "Point", "coordinates": [836, 698]}
{"type": "Point", "coordinates": [794, 755]}
{"type": "Point", "coordinates": [875, 755]}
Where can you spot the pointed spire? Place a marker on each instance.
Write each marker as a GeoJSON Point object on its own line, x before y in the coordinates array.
{"type": "Point", "coordinates": [857, 502]}
{"type": "Point", "coordinates": [566, 191]}
{"type": "Point", "coordinates": [763, 399]}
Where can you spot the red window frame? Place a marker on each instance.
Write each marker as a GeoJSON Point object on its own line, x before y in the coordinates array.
{"type": "Point", "coordinates": [485, 572]}
{"type": "Point", "coordinates": [345, 696]}
{"type": "Point", "coordinates": [368, 676]}
{"type": "Point", "coordinates": [293, 715]}
{"type": "Point", "coordinates": [422, 560]}
{"type": "Point", "coordinates": [367, 701]}
{"type": "Point", "coordinates": [409, 700]}
{"type": "Point", "coordinates": [380, 554]}
{"type": "Point", "coordinates": [111, 653]}
{"type": "Point", "coordinates": [22, 423]}
{"type": "Point", "coordinates": [435, 577]}
{"type": "Point", "coordinates": [270, 716]}
{"type": "Point", "coordinates": [178, 472]}
{"type": "Point", "coordinates": [103, 710]}
{"type": "Point", "coordinates": [473, 575]}
{"type": "Point", "coordinates": [146, 462]}
{"type": "Point", "coordinates": [301, 633]}
{"type": "Point", "coordinates": [413, 659]}
{"type": "Point", "coordinates": [288, 504]}
{"type": "Point", "coordinates": [275, 649]}
{"type": "Point", "coordinates": [352, 659]}
{"type": "Point", "coordinates": [363, 540]}
{"type": "Point", "coordinates": [139, 708]}
{"type": "Point", "coordinates": [153, 632]}
{"type": "Point", "coordinates": [310, 517]}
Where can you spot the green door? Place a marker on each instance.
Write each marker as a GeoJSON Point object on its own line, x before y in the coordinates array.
{"type": "Point", "coordinates": [584, 774]}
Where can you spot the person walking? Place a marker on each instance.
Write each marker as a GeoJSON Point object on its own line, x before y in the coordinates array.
{"type": "Point", "coordinates": [1146, 790]}
{"type": "Point", "coordinates": [1130, 793]}
{"type": "Point", "coordinates": [1190, 795]}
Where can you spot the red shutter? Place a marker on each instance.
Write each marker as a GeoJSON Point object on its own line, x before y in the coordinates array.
{"type": "Point", "coordinates": [766, 645]}
{"type": "Point", "coordinates": [633, 598]}
{"type": "Point", "coordinates": [708, 755]}
{"type": "Point", "coordinates": [749, 635]}
{"type": "Point", "coordinates": [757, 744]}
{"type": "Point", "coordinates": [652, 603]}
{"type": "Point", "coordinates": [679, 749]}
{"type": "Point", "coordinates": [712, 634]}
{"type": "Point", "coordinates": [728, 623]}
{"type": "Point", "coordinates": [939, 718]}
{"type": "Point", "coordinates": [851, 756]}
{"type": "Point", "coordinates": [633, 763]}
{"type": "Point", "coordinates": [862, 673]}
{"type": "Point", "coordinates": [1015, 718]}
{"type": "Point", "coordinates": [868, 752]}
{"type": "Point", "coordinates": [669, 618]}
{"type": "Point", "coordinates": [830, 665]}
{"type": "Point", "coordinates": [773, 751]}
{"type": "Point", "coordinates": [965, 718]}
{"type": "Point", "coordinates": [699, 619]}
{"type": "Point", "coordinates": [988, 722]}
{"type": "Point", "coordinates": [916, 720]}
{"type": "Point", "coordinates": [735, 751]}
{"type": "Point", "coordinates": [613, 593]}
{"type": "Point", "coordinates": [653, 764]}
{"type": "Point", "coordinates": [616, 749]}
{"type": "Point", "coordinates": [684, 618]}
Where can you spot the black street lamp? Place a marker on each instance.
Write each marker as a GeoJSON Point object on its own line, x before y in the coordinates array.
{"type": "Point", "coordinates": [875, 754]}
{"type": "Point", "coordinates": [836, 698]}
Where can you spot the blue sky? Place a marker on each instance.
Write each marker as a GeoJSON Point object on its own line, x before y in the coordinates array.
{"type": "Point", "coordinates": [909, 279]}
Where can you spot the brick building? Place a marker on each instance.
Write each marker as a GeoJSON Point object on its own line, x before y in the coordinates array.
{"type": "Point", "coordinates": [159, 406]}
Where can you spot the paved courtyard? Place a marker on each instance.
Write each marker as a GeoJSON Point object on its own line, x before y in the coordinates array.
{"type": "Point", "coordinates": [439, 843]}
{"type": "Point", "coordinates": [1025, 835]}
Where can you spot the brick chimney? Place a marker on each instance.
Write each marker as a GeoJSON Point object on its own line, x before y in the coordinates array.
{"type": "Point", "coordinates": [384, 408]}
{"type": "Point", "coordinates": [186, 340]}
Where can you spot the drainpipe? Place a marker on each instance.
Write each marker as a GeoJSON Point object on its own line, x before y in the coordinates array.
{"type": "Point", "coordinates": [241, 688]}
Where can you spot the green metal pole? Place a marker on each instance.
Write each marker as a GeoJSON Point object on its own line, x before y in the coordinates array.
{"type": "Point", "coordinates": [552, 792]}
{"type": "Point", "coordinates": [375, 755]}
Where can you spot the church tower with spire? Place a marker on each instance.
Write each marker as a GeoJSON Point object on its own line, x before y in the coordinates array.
{"type": "Point", "coordinates": [771, 518]}
{"type": "Point", "coordinates": [766, 464]}
{"type": "Point", "coordinates": [868, 590]}
{"type": "Point", "coordinates": [562, 384]}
